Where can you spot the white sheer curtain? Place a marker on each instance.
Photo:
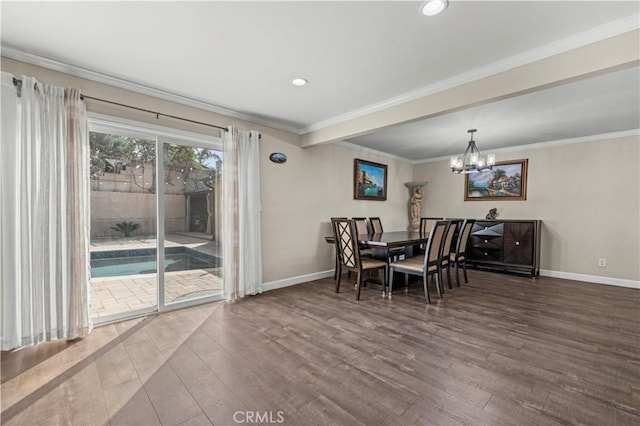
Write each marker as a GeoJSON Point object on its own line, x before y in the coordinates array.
{"type": "Point", "coordinates": [44, 214]}
{"type": "Point", "coordinates": [242, 247]}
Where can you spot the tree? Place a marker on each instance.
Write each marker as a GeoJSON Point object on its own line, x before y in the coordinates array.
{"type": "Point", "coordinates": [107, 150]}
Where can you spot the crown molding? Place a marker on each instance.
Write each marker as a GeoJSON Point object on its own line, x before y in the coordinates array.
{"type": "Point", "coordinates": [371, 151]}
{"type": "Point", "coordinates": [55, 65]}
{"type": "Point", "coordinates": [541, 145]}
{"type": "Point", "coordinates": [593, 35]}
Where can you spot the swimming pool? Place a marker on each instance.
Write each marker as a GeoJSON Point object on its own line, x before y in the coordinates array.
{"type": "Point", "coordinates": [143, 261]}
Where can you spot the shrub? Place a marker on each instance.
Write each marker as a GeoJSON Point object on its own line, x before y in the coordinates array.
{"type": "Point", "coordinates": [126, 227]}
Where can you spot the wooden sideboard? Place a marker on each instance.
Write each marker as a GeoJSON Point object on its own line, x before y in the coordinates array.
{"type": "Point", "coordinates": [507, 245]}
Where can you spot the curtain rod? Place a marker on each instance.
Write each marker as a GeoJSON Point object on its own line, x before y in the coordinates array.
{"type": "Point", "coordinates": [18, 82]}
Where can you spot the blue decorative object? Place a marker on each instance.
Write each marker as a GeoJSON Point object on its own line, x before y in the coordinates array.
{"type": "Point", "coordinates": [278, 157]}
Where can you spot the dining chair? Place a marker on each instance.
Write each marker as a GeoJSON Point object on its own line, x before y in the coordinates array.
{"type": "Point", "coordinates": [460, 255]}
{"type": "Point", "coordinates": [337, 270]}
{"type": "Point", "coordinates": [424, 265]}
{"type": "Point", "coordinates": [426, 224]}
{"type": "Point", "coordinates": [449, 248]}
{"type": "Point", "coordinates": [376, 225]}
{"type": "Point", "coordinates": [376, 228]}
{"type": "Point", "coordinates": [362, 227]}
{"type": "Point", "coordinates": [350, 258]}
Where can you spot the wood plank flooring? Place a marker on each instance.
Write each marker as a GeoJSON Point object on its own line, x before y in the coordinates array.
{"type": "Point", "coordinates": [500, 350]}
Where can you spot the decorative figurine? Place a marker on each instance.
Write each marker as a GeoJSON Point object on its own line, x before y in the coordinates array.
{"type": "Point", "coordinates": [416, 204]}
{"type": "Point", "coordinates": [493, 214]}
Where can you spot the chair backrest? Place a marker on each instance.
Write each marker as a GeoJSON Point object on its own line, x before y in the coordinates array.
{"type": "Point", "coordinates": [463, 236]}
{"type": "Point", "coordinates": [434, 246]}
{"type": "Point", "coordinates": [361, 225]}
{"type": "Point", "coordinates": [333, 231]}
{"type": "Point", "coordinates": [346, 236]}
{"type": "Point", "coordinates": [451, 231]}
{"type": "Point", "coordinates": [376, 225]}
{"type": "Point", "coordinates": [426, 223]}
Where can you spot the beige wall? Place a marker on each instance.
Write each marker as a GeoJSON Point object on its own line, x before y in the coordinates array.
{"type": "Point", "coordinates": [587, 195]}
{"type": "Point", "coordinates": [300, 196]}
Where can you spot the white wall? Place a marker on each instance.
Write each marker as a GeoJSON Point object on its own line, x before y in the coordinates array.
{"type": "Point", "coordinates": [587, 195]}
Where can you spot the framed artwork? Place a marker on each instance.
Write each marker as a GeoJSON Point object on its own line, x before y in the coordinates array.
{"type": "Point", "coordinates": [507, 181]}
{"type": "Point", "coordinates": [369, 180]}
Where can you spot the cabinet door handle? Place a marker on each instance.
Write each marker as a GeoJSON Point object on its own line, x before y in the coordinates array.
{"type": "Point", "coordinates": [517, 243]}
{"type": "Point", "coordinates": [486, 254]}
{"type": "Point", "coordinates": [485, 241]}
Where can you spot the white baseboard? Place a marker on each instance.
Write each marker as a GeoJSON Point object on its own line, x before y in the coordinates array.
{"type": "Point", "coordinates": [272, 285]}
{"type": "Point", "coordinates": [591, 278]}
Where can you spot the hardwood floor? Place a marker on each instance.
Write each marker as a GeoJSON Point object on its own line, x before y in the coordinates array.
{"type": "Point", "coordinates": [500, 350]}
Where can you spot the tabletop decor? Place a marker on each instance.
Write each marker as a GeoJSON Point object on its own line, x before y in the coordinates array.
{"type": "Point", "coordinates": [369, 180]}
{"type": "Point", "coordinates": [507, 181]}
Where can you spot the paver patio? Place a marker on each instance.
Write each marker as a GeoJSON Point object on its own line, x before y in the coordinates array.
{"type": "Point", "coordinates": [111, 295]}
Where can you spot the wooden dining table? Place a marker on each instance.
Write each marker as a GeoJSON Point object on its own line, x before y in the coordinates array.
{"type": "Point", "coordinates": [387, 240]}
{"type": "Point", "coordinates": [381, 243]}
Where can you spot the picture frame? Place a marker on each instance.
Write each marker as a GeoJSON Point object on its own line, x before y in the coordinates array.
{"type": "Point", "coordinates": [507, 181]}
{"type": "Point", "coordinates": [369, 180]}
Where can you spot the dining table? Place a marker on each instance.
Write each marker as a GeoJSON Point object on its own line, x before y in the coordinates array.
{"type": "Point", "coordinates": [381, 243]}
{"type": "Point", "coordinates": [387, 240]}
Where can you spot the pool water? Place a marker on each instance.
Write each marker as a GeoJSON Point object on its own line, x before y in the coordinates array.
{"type": "Point", "coordinates": [137, 265]}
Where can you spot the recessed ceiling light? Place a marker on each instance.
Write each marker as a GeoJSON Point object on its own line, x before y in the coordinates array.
{"type": "Point", "coordinates": [299, 81]}
{"type": "Point", "coordinates": [433, 7]}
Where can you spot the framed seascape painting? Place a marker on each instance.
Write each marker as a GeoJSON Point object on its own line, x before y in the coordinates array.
{"type": "Point", "coordinates": [369, 180]}
{"type": "Point", "coordinates": [507, 181]}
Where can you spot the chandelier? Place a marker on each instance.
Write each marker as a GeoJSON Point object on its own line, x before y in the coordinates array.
{"type": "Point", "coordinates": [472, 161]}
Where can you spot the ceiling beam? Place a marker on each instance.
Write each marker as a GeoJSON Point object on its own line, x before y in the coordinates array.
{"type": "Point", "coordinates": [601, 57]}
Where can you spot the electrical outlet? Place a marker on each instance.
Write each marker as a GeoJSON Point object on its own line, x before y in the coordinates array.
{"type": "Point", "coordinates": [602, 263]}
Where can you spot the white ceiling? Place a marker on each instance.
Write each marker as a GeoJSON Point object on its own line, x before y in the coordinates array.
{"type": "Point", "coordinates": [242, 56]}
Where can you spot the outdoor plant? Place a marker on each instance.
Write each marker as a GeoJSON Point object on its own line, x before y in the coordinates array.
{"type": "Point", "coordinates": [126, 227]}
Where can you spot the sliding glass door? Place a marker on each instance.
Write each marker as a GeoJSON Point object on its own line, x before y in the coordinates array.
{"type": "Point", "coordinates": [192, 214]}
{"type": "Point", "coordinates": [155, 220]}
{"type": "Point", "coordinates": [123, 225]}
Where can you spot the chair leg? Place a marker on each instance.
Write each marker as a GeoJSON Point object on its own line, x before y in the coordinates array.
{"type": "Point", "coordinates": [335, 273]}
{"type": "Point", "coordinates": [385, 283]}
{"type": "Point", "coordinates": [439, 280]}
{"type": "Point", "coordinates": [339, 279]}
{"type": "Point", "coordinates": [438, 288]}
{"type": "Point", "coordinates": [449, 274]}
{"type": "Point", "coordinates": [464, 268]}
{"type": "Point", "coordinates": [390, 275]}
{"type": "Point", "coordinates": [358, 284]}
{"type": "Point", "coordinates": [426, 288]}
